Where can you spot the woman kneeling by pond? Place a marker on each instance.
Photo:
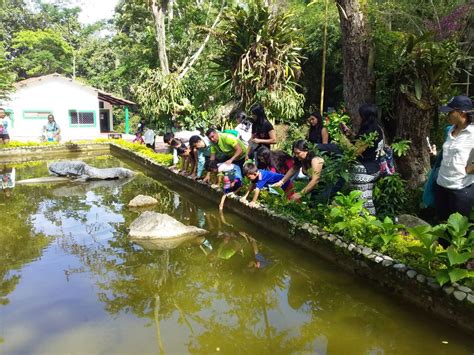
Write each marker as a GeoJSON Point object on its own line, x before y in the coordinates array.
{"type": "Point", "coordinates": [311, 166]}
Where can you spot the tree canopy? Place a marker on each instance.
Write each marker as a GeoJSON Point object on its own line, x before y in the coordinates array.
{"type": "Point", "coordinates": [185, 60]}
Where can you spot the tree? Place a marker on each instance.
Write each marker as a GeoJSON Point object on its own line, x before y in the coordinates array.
{"type": "Point", "coordinates": [6, 75]}
{"type": "Point", "coordinates": [259, 59]}
{"type": "Point", "coordinates": [415, 73]}
{"type": "Point", "coordinates": [186, 40]}
{"type": "Point", "coordinates": [41, 52]}
{"type": "Point", "coordinates": [357, 56]}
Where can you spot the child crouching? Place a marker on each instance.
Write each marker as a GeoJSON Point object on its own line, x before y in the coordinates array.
{"type": "Point", "coordinates": [228, 175]}
{"type": "Point", "coordinates": [263, 178]}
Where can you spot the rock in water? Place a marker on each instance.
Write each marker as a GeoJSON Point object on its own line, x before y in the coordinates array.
{"type": "Point", "coordinates": [152, 225]}
{"type": "Point", "coordinates": [142, 200]}
{"type": "Point", "coordinates": [81, 170]}
{"type": "Point", "coordinates": [168, 244]}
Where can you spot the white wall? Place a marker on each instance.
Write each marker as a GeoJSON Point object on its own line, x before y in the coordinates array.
{"type": "Point", "coordinates": [59, 95]}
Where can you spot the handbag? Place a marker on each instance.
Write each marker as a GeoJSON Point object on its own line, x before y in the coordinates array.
{"type": "Point", "coordinates": [385, 158]}
{"type": "Point", "coordinates": [430, 186]}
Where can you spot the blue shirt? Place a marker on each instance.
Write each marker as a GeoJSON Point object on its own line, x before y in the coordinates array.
{"type": "Point", "coordinates": [5, 126]}
{"type": "Point", "coordinates": [268, 178]}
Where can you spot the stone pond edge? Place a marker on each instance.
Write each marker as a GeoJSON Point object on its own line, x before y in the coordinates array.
{"type": "Point", "coordinates": [453, 303]}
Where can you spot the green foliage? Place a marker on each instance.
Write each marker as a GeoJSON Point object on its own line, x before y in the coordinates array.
{"type": "Point", "coordinates": [161, 95]}
{"type": "Point", "coordinates": [259, 58]}
{"type": "Point", "coordinates": [335, 119]}
{"type": "Point", "coordinates": [41, 52]}
{"type": "Point", "coordinates": [310, 19]}
{"type": "Point", "coordinates": [427, 68]}
{"type": "Point", "coordinates": [7, 77]}
{"type": "Point", "coordinates": [160, 158]}
{"type": "Point", "coordinates": [282, 104]}
{"type": "Point", "coordinates": [400, 147]}
{"type": "Point", "coordinates": [388, 231]}
{"type": "Point", "coordinates": [450, 263]}
{"type": "Point", "coordinates": [348, 218]}
{"type": "Point", "coordinates": [390, 197]}
{"type": "Point", "coordinates": [17, 144]}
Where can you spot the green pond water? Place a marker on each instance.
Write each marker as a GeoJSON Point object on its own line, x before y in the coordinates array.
{"type": "Point", "coordinates": [71, 281]}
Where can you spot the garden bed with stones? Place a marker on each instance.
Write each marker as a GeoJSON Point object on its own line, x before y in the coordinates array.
{"type": "Point", "coordinates": [451, 303]}
{"type": "Point", "coordinates": [28, 153]}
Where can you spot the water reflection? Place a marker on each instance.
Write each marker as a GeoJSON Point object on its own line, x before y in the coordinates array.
{"type": "Point", "coordinates": [228, 292]}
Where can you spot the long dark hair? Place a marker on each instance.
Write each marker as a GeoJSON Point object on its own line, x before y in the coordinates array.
{"type": "Point", "coordinates": [276, 159]}
{"type": "Point", "coordinates": [368, 113]}
{"type": "Point", "coordinates": [315, 135]}
{"type": "Point", "coordinates": [303, 146]}
{"type": "Point", "coordinates": [259, 111]}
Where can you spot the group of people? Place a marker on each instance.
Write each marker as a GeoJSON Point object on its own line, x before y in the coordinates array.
{"type": "Point", "coordinates": [50, 131]}
{"type": "Point", "coordinates": [245, 151]}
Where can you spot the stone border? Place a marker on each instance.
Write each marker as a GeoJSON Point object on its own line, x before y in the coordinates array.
{"type": "Point", "coordinates": [453, 303]}
{"type": "Point", "coordinates": [21, 154]}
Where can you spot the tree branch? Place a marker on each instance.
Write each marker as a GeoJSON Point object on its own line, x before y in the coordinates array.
{"type": "Point", "coordinates": [196, 55]}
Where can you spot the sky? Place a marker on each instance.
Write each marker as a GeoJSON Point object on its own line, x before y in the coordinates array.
{"type": "Point", "coordinates": [94, 10]}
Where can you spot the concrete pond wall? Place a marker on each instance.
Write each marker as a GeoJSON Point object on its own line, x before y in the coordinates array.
{"type": "Point", "coordinates": [24, 154]}
{"type": "Point", "coordinates": [453, 304]}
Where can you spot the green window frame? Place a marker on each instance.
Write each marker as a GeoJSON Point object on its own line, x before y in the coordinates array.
{"type": "Point", "coordinates": [82, 118]}
{"type": "Point", "coordinates": [41, 114]}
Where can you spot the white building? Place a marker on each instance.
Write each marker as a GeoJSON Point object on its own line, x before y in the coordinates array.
{"type": "Point", "coordinates": [81, 111]}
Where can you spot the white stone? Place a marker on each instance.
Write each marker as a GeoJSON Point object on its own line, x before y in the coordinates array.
{"type": "Point", "coordinates": [152, 225]}
{"type": "Point", "coordinates": [399, 266]}
{"type": "Point", "coordinates": [366, 251]}
{"type": "Point", "coordinates": [448, 289]}
{"type": "Point", "coordinates": [332, 237]}
{"type": "Point", "coordinates": [434, 285]}
{"type": "Point", "coordinates": [387, 263]}
{"type": "Point", "coordinates": [378, 259]}
{"type": "Point", "coordinates": [459, 295]}
{"type": "Point", "coordinates": [411, 273]}
{"type": "Point", "coordinates": [470, 298]}
{"type": "Point", "coordinates": [421, 278]}
{"type": "Point", "coordinates": [351, 247]}
{"type": "Point", "coordinates": [142, 200]}
{"type": "Point", "coordinates": [464, 289]}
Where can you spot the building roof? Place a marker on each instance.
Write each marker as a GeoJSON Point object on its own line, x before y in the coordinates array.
{"type": "Point", "coordinates": [102, 95]}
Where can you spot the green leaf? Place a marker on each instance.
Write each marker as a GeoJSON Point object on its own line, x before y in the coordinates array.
{"type": "Point", "coordinates": [456, 258]}
{"type": "Point", "coordinates": [458, 225]}
{"type": "Point", "coordinates": [458, 274]}
{"type": "Point", "coordinates": [442, 277]}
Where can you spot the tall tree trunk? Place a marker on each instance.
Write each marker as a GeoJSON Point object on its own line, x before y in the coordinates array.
{"type": "Point", "coordinates": [413, 123]}
{"type": "Point", "coordinates": [159, 9]}
{"type": "Point", "coordinates": [356, 49]}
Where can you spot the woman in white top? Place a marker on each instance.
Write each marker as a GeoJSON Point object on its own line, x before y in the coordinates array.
{"type": "Point", "coordinates": [244, 127]}
{"type": "Point", "coordinates": [455, 182]}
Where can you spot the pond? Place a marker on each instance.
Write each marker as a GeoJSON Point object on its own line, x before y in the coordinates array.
{"type": "Point", "coordinates": [71, 281]}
